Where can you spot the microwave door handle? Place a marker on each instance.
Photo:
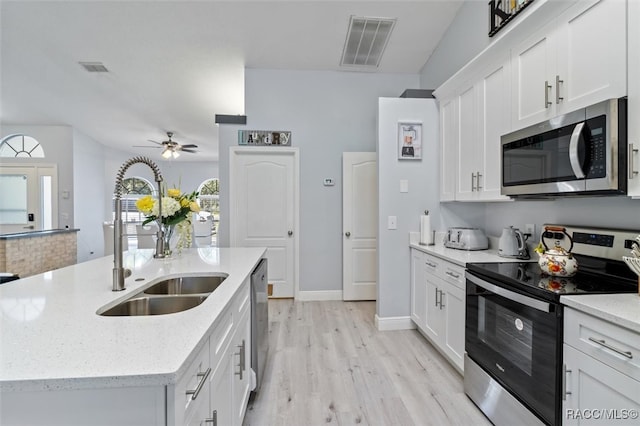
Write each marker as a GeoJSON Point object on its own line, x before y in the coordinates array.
{"type": "Point", "coordinates": [508, 294]}
{"type": "Point", "coordinates": [573, 151]}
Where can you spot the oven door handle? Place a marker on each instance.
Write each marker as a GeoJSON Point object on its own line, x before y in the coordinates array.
{"type": "Point", "coordinates": [513, 296]}
{"type": "Point", "coordinates": [573, 151]}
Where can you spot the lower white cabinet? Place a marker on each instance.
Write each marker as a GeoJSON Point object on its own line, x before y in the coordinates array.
{"type": "Point", "coordinates": [438, 304]}
{"type": "Point", "coordinates": [601, 382]}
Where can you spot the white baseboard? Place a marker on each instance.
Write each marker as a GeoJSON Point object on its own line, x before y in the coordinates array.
{"type": "Point", "coordinates": [306, 296]}
{"type": "Point", "coordinates": [394, 323]}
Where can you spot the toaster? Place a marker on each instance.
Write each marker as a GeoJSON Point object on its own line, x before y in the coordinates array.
{"type": "Point", "coordinates": [466, 239]}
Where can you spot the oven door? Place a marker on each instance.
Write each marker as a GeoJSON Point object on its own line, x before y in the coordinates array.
{"type": "Point", "coordinates": [516, 339]}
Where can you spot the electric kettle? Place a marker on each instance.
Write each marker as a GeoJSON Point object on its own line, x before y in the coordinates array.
{"type": "Point", "coordinates": [512, 243]}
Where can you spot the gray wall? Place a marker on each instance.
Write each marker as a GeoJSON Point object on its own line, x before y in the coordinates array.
{"type": "Point", "coordinates": [394, 258]}
{"type": "Point", "coordinates": [465, 38]}
{"type": "Point", "coordinates": [328, 113]}
{"type": "Point", "coordinates": [88, 182]}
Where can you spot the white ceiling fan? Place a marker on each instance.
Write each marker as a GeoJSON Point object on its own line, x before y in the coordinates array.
{"type": "Point", "coordinates": [170, 147]}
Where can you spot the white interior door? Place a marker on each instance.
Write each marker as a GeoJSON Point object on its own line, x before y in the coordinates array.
{"type": "Point", "coordinates": [19, 211]}
{"type": "Point", "coordinates": [360, 225]}
{"type": "Point", "coordinates": [264, 210]}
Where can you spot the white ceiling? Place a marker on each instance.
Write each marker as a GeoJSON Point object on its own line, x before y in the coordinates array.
{"type": "Point", "coordinates": [175, 64]}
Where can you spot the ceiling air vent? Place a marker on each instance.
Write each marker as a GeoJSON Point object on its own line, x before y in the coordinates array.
{"type": "Point", "coordinates": [94, 66]}
{"type": "Point", "coordinates": [366, 40]}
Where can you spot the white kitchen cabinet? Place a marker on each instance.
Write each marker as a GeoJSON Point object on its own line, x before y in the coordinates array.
{"type": "Point", "coordinates": [469, 147]}
{"type": "Point", "coordinates": [493, 118]}
{"type": "Point", "coordinates": [574, 61]}
{"type": "Point", "coordinates": [241, 368]}
{"type": "Point", "coordinates": [448, 147]}
{"type": "Point", "coordinates": [440, 304]}
{"type": "Point", "coordinates": [418, 288]}
{"type": "Point", "coordinates": [633, 103]}
{"type": "Point", "coordinates": [472, 122]}
{"type": "Point", "coordinates": [601, 381]}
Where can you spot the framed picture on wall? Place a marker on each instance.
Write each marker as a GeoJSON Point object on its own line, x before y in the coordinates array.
{"type": "Point", "coordinates": [409, 141]}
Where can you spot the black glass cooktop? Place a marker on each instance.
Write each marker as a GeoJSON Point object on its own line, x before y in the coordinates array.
{"type": "Point", "coordinates": [594, 276]}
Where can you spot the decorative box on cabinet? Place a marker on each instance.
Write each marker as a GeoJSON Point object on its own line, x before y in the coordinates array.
{"type": "Point", "coordinates": [601, 381]}
{"type": "Point", "coordinates": [575, 61]}
{"type": "Point", "coordinates": [437, 304]}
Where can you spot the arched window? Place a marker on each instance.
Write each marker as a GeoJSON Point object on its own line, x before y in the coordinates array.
{"type": "Point", "coordinates": [209, 196]}
{"type": "Point", "coordinates": [132, 189]}
{"type": "Point", "coordinates": [19, 145]}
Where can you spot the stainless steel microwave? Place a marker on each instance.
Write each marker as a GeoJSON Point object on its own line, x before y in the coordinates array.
{"type": "Point", "coordinates": [579, 153]}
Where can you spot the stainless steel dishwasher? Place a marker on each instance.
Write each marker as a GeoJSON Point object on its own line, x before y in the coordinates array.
{"type": "Point", "coordinates": [259, 322]}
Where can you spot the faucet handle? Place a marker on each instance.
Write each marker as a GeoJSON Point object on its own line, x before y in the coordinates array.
{"type": "Point", "coordinates": [127, 272]}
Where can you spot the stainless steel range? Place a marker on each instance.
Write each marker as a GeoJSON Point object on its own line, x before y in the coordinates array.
{"type": "Point", "coordinates": [513, 332]}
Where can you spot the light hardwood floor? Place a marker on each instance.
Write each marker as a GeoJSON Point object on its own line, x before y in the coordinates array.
{"type": "Point", "coordinates": [328, 364]}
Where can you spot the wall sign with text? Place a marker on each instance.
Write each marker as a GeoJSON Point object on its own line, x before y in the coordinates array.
{"type": "Point", "coordinates": [264, 137]}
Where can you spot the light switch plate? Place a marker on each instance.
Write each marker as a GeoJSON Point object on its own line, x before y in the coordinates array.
{"type": "Point", "coordinates": [392, 222]}
{"type": "Point", "coordinates": [404, 185]}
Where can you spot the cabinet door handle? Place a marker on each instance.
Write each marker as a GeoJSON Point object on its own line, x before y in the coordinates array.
{"type": "Point", "coordinates": [602, 342]}
{"type": "Point", "coordinates": [203, 379]}
{"type": "Point", "coordinates": [433, 265]}
{"type": "Point", "coordinates": [630, 155]}
{"type": "Point", "coordinates": [558, 97]}
{"type": "Point", "coordinates": [478, 187]}
{"type": "Point", "coordinates": [473, 184]}
{"type": "Point", "coordinates": [547, 86]}
{"type": "Point", "coordinates": [213, 419]}
{"type": "Point", "coordinates": [441, 298]}
{"type": "Point", "coordinates": [436, 298]}
{"type": "Point", "coordinates": [454, 275]}
{"type": "Point", "coordinates": [564, 382]}
{"type": "Point", "coordinates": [241, 355]}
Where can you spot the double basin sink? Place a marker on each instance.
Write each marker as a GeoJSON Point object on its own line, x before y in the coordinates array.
{"type": "Point", "coordinates": [168, 296]}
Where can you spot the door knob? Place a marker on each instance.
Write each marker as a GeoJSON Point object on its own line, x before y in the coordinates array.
{"type": "Point", "coordinates": [290, 233]}
{"type": "Point", "coordinates": [347, 234]}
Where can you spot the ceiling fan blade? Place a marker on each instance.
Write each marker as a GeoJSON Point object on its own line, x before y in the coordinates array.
{"type": "Point", "coordinates": [146, 146]}
{"type": "Point", "coordinates": [189, 150]}
{"type": "Point", "coordinates": [159, 143]}
{"type": "Point", "coordinates": [189, 145]}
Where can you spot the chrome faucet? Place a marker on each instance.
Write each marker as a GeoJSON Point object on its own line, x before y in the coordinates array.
{"type": "Point", "coordinates": [119, 272]}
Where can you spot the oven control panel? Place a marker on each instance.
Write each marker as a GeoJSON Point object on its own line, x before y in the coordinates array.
{"type": "Point", "coordinates": [595, 242]}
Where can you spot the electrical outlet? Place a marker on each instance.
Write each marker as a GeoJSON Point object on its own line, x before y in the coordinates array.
{"type": "Point", "coordinates": [530, 228]}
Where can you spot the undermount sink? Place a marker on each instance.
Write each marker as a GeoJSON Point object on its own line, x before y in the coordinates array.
{"type": "Point", "coordinates": [186, 285]}
{"type": "Point", "coordinates": [154, 305]}
{"type": "Point", "coordinates": [167, 297]}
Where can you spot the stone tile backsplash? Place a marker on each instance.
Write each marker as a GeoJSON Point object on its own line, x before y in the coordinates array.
{"type": "Point", "coordinates": [38, 254]}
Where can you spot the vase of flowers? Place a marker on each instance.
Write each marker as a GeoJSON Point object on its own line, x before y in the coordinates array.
{"type": "Point", "coordinates": [177, 208]}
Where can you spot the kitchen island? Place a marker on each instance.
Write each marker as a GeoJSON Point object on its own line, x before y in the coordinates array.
{"type": "Point", "coordinates": [58, 355]}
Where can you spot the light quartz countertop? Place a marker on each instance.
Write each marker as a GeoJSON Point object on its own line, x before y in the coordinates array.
{"type": "Point", "coordinates": [460, 257]}
{"type": "Point", "coordinates": [52, 338]}
{"type": "Point", "coordinates": [620, 309]}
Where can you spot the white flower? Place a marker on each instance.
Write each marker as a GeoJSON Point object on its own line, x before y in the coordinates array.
{"type": "Point", "coordinates": [169, 207]}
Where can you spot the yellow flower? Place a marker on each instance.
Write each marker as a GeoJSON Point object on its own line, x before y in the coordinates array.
{"type": "Point", "coordinates": [145, 204]}
{"type": "Point", "coordinates": [184, 202]}
{"type": "Point", "coordinates": [194, 206]}
{"type": "Point", "coordinates": [173, 192]}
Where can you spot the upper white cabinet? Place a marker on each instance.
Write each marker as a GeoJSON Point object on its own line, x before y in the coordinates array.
{"type": "Point", "coordinates": [472, 121]}
{"type": "Point", "coordinates": [633, 103]}
{"type": "Point", "coordinates": [574, 61]}
{"type": "Point", "coordinates": [448, 147]}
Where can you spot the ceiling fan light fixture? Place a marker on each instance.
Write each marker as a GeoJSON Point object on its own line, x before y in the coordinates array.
{"type": "Point", "coordinates": [166, 154]}
{"type": "Point", "coordinates": [175, 153]}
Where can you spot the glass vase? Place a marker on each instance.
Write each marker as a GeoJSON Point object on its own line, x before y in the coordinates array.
{"type": "Point", "coordinates": [168, 233]}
